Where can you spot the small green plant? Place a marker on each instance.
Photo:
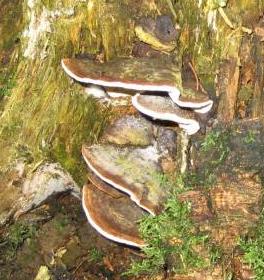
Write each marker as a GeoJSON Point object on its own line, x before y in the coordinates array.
{"type": "Point", "coordinates": [17, 234]}
{"type": "Point", "coordinates": [253, 248]}
{"type": "Point", "coordinates": [217, 142]}
{"type": "Point", "coordinates": [95, 255]}
{"type": "Point", "coordinates": [61, 222]}
{"type": "Point", "coordinates": [7, 82]}
{"type": "Point", "coordinates": [170, 236]}
{"type": "Point", "coordinates": [250, 138]}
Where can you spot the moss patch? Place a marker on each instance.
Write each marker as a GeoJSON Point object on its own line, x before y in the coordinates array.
{"type": "Point", "coordinates": [172, 240]}
{"type": "Point", "coordinates": [253, 247]}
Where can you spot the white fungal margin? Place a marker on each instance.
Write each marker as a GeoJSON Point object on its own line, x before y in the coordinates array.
{"type": "Point", "coordinates": [201, 107]}
{"type": "Point", "coordinates": [191, 126]}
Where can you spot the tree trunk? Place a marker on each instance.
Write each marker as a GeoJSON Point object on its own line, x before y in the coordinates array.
{"type": "Point", "coordinates": [44, 116]}
{"type": "Point", "coordinates": [44, 113]}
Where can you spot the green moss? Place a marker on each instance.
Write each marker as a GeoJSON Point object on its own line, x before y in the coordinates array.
{"type": "Point", "coordinates": [206, 178]}
{"type": "Point", "coordinates": [172, 241]}
{"type": "Point", "coordinates": [60, 223]}
{"type": "Point", "coordinates": [250, 138]}
{"type": "Point", "coordinates": [15, 237]}
{"type": "Point", "coordinates": [55, 117]}
{"type": "Point", "coordinates": [214, 151]}
{"type": "Point", "coordinates": [217, 142]}
{"type": "Point", "coordinates": [253, 247]}
{"type": "Point", "coordinates": [7, 83]}
{"type": "Point", "coordinates": [95, 255]}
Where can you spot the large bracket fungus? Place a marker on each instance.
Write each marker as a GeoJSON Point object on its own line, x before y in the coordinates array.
{"type": "Point", "coordinates": [160, 75]}
{"type": "Point", "coordinates": [115, 219]}
{"type": "Point", "coordinates": [139, 74]}
{"type": "Point", "coordinates": [125, 170]}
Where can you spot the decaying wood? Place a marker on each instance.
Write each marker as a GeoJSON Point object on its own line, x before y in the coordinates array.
{"type": "Point", "coordinates": [228, 81]}
{"type": "Point", "coordinates": [258, 93]}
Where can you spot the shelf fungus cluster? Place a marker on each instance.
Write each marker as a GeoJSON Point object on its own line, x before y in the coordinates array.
{"type": "Point", "coordinates": [159, 77]}
{"type": "Point", "coordinates": [125, 167]}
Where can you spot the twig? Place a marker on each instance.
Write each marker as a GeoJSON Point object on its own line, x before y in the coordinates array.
{"type": "Point", "coordinates": [225, 17]}
{"type": "Point", "coordinates": [230, 24]}
{"type": "Point", "coordinates": [195, 75]}
{"type": "Point", "coordinates": [198, 83]}
{"type": "Point", "coordinates": [133, 252]}
{"type": "Point", "coordinates": [171, 8]}
{"type": "Point", "coordinates": [80, 264]}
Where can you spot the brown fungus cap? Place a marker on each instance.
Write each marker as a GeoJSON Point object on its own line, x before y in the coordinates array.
{"type": "Point", "coordinates": [115, 219]}
{"type": "Point", "coordinates": [196, 100]}
{"type": "Point", "coordinates": [134, 171]}
{"type": "Point", "coordinates": [131, 73]}
{"type": "Point", "coordinates": [157, 75]}
{"type": "Point", "coordinates": [103, 186]}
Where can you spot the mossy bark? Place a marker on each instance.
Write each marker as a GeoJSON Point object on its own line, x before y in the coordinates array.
{"type": "Point", "coordinates": [44, 115]}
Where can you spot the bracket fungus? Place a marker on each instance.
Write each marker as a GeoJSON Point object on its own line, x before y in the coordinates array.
{"type": "Point", "coordinates": [126, 170]}
{"type": "Point", "coordinates": [103, 186]}
{"type": "Point", "coordinates": [138, 74]}
{"type": "Point", "coordinates": [155, 75]}
{"type": "Point", "coordinates": [193, 99]}
{"type": "Point", "coordinates": [116, 219]}
{"type": "Point", "coordinates": [163, 108]}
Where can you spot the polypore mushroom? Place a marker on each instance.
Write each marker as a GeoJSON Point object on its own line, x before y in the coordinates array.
{"type": "Point", "coordinates": [115, 219]}
{"type": "Point", "coordinates": [142, 74]}
{"type": "Point", "coordinates": [162, 108]}
{"type": "Point", "coordinates": [132, 171]}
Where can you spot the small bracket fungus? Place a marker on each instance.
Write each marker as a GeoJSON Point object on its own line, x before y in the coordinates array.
{"type": "Point", "coordinates": [163, 108]}
{"type": "Point", "coordinates": [194, 100]}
